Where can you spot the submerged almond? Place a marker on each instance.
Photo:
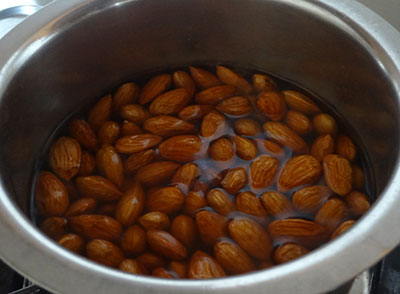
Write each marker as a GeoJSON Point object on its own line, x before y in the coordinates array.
{"type": "Point", "coordinates": [154, 87]}
{"type": "Point", "coordinates": [204, 79]}
{"type": "Point", "coordinates": [165, 125]}
{"type": "Point", "coordinates": [65, 157]}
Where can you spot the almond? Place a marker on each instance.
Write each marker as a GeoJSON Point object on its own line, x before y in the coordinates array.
{"type": "Point", "coordinates": [133, 241]}
{"type": "Point", "coordinates": [247, 127]}
{"type": "Point", "coordinates": [300, 102]}
{"type": "Point", "coordinates": [271, 148]}
{"type": "Point", "coordinates": [156, 173]}
{"type": "Point", "coordinates": [245, 148]}
{"type": "Point", "coordinates": [272, 104]}
{"type": "Point", "coordinates": [284, 135]}
{"type": "Point", "coordinates": [182, 79]}
{"type": "Point", "coordinates": [203, 78]}
{"type": "Point", "coordinates": [263, 171]}
{"type": "Point", "coordinates": [213, 95]}
{"type": "Point", "coordinates": [138, 160]}
{"type": "Point", "coordinates": [237, 105]}
{"type": "Point", "coordinates": [298, 122]}
{"type": "Point", "coordinates": [129, 128]}
{"type": "Point", "coordinates": [127, 93]}
{"type": "Point", "coordinates": [81, 206]}
{"type": "Point", "coordinates": [342, 228]}
{"type": "Point", "coordinates": [100, 112]}
{"type": "Point", "coordinates": [161, 272]}
{"type": "Point", "coordinates": [194, 112]}
{"type": "Point", "coordinates": [134, 113]}
{"type": "Point", "coordinates": [150, 261]}
{"type": "Point", "coordinates": [132, 266]}
{"type": "Point", "coordinates": [203, 266]}
{"type": "Point", "coordinates": [324, 123]}
{"type": "Point", "coordinates": [331, 214]}
{"type": "Point", "coordinates": [288, 252]}
{"type": "Point", "coordinates": [165, 244]}
{"type": "Point", "coordinates": [248, 202]}
{"type": "Point", "coordinates": [323, 146]}
{"type": "Point", "coordinates": [251, 237]}
{"type": "Point", "coordinates": [309, 199]}
{"type": "Point", "coordinates": [51, 195]}
{"type": "Point", "coordinates": [65, 157]}
{"type": "Point", "coordinates": [98, 188]}
{"type": "Point", "coordinates": [87, 165]}
{"type": "Point", "coordinates": [179, 268]}
{"type": "Point", "coordinates": [212, 226]}
{"type": "Point", "coordinates": [154, 87]}
{"type": "Point", "coordinates": [72, 242]}
{"type": "Point", "coordinates": [220, 201]}
{"type": "Point", "coordinates": [182, 148]}
{"type": "Point", "coordinates": [234, 180]}
{"type": "Point", "coordinates": [276, 204]}
{"type": "Point", "coordinates": [94, 226]}
{"type": "Point", "coordinates": [186, 175]}
{"type": "Point", "coordinates": [232, 258]}
{"type": "Point", "coordinates": [229, 77]}
{"type": "Point", "coordinates": [193, 202]}
{"type": "Point", "coordinates": [213, 125]}
{"type": "Point", "coordinates": [136, 143]}
{"type": "Point", "coordinates": [357, 176]}
{"type": "Point", "coordinates": [358, 203]}
{"type": "Point", "coordinates": [221, 150]}
{"type": "Point", "coordinates": [184, 229]}
{"type": "Point", "coordinates": [104, 252]}
{"type": "Point", "coordinates": [337, 173]}
{"type": "Point", "coordinates": [108, 132]}
{"type": "Point", "coordinates": [130, 205]}
{"type": "Point", "coordinates": [81, 131]}
{"type": "Point", "coordinates": [54, 227]}
{"type": "Point", "coordinates": [170, 102]}
{"type": "Point", "coordinates": [165, 125]}
{"type": "Point", "coordinates": [263, 83]}
{"type": "Point", "coordinates": [212, 176]}
{"type": "Point", "coordinates": [346, 148]}
{"type": "Point", "coordinates": [167, 200]}
{"type": "Point", "coordinates": [298, 171]}
{"type": "Point", "coordinates": [107, 209]}
{"type": "Point", "coordinates": [155, 220]}
{"type": "Point", "coordinates": [109, 162]}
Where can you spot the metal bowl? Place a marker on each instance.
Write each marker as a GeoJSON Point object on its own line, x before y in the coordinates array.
{"type": "Point", "coordinates": [73, 51]}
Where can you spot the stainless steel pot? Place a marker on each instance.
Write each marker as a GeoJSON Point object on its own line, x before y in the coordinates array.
{"type": "Point", "coordinates": [73, 51]}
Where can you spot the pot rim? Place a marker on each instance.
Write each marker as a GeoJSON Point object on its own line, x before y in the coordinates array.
{"type": "Point", "coordinates": [32, 254]}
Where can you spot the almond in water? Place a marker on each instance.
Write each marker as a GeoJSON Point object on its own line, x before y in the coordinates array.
{"type": "Point", "coordinates": [263, 171]}
{"type": "Point", "coordinates": [72, 242]}
{"type": "Point", "coordinates": [166, 200]}
{"type": "Point", "coordinates": [220, 201]}
{"type": "Point", "coordinates": [136, 143]}
{"type": "Point", "coordinates": [234, 180]}
{"type": "Point", "coordinates": [109, 132]}
{"type": "Point", "coordinates": [247, 127]}
{"type": "Point", "coordinates": [81, 206]}
{"type": "Point", "coordinates": [93, 226]}
{"type": "Point", "coordinates": [309, 199]}
{"type": "Point", "coordinates": [133, 241]}
{"type": "Point", "coordinates": [88, 164]}
{"type": "Point", "coordinates": [130, 205]}
{"type": "Point", "coordinates": [193, 202]}
{"type": "Point", "coordinates": [237, 105]}
{"type": "Point", "coordinates": [81, 131]}
{"type": "Point", "coordinates": [109, 162]}
{"type": "Point", "coordinates": [276, 204]}
{"type": "Point", "coordinates": [358, 203]}
{"type": "Point", "coordinates": [299, 102]}
{"type": "Point", "coordinates": [65, 157]}
{"type": "Point", "coordinates": [232, 258]}
{"type": "Point", "coordinates": [204, 79]}
{"type": "Point", "coordinates": [272, 104]}
{"type": "Point", "coordinates": [203, 266]}
{"type": "Point", "coordinates": [132, 266]}
{"type": "Point", "coordinates": [165, 244]}
{"type": "Point", "coordinates": [230, 77]}
{"type": "Point", "coordinates": [194, 112]}
{"type": "Point", "coordinates": [134, 113]}
{"type": "Point", "coordinates": [184, 229]}
{"type": "Point", "coordinates": [156, 173]}
{"type": "Point", "coordinates": [104, 252]}
{"type": "Point", "coordinates": [212, 226]}
{"type": "Point", "coordinates": [249, 203]}
{"type": "Point", "coordinates": [245, 148]}
{"type": "Point", "coordinates": [181, 79]}
{"type": "Point", "coordinates": [331, 213]}
{"type": "Point", "coordinates": [288, 252]}
{"type": "Point", "coordinates": [127, 93]}
{"type": "Point", "coordinates": [165, 125]}
{"type": "Point", "coordinates": [337, 174]}
{"type": "Point", "coordinates": [138, 160]}
{"type": "Point", "coordinates": [182, 148]}
{"type": "Point", "coordinates": [54, 227]}
{"type": "Point", "coordinates": [263, 83]}
{"type": "Point", "coordinates": [323, 146]}
{"type": "Point", "coordinates": [284, 135]}
{"type": "Point", "coordinates": [100, 112]}
{"type": "Point", "coordinates": [98, 188]}
{"type": "Point", "coordinates": [154, 87]}
{"type": "Point", "coordinates": [213, 95]}
{"type": "Point", "coordinates": [155, 220]}
{"type": "Point", "coordinates": [170, 102]}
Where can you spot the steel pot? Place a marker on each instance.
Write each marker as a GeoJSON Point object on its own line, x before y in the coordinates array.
{"type": "Point", "coordinates": [73, 51]}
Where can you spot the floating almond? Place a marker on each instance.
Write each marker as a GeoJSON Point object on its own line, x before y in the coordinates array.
{"type": "Point", "coordinates": [345, 147]}
{"type": "Point", "coordinates": [298, 171]}
{"type": "Point", "coordinates": [276, 204]}
{"type": "Point", "coordinates": [94, 226]}
{"type": "Point", "coordinates": [127, 93]}
{"type": "Point", "coordinates": [136, 143]}
{"type": "Point", "coordinates": [234, 180]}
{"type": "Point", "coordinates": [130, 205]}
{"type": "Point", "coordinates": [167, 200]}
{"type": "Point", "coordinates": [182, 79]}
{"type": "Point", "coordinates": [309, 199]}
{"type": "Point", "coordinates": [232, 258]}
{"type": "Point", "coordinates": [194, 112]}
{"type": "Point", "coordinates": [263, 171]}
{"type": "Point", "coordinates": [108, 132]}
{"type": "Point", "coordinates": [100, 112]}
{"type": "Point", "coordinates": [166, 245]}
{"type": "Point", "coordinates": [284, 135]}
{"type": "Point", "coordinates": [72, 242]}
{"type": "Point", "coordinates": [151, 261]}
{"type": "Point", "coordinates": [83, 133]}
{"type": "Point", "coordinates": [298, 122]}
{"type": "Point", "coordinates": [212, 226]}
{"type": "Point", "coordinates": [170, 102]}
{"type": "Point", "coordinates": [337, 173]}
{"type": "Point", "coordinates": [129, 128]}
{"type": "Point", "coordinates": [331, 214]}
{"type": "Point", "coordinates": [109, 162]}
{"type": "Point", "coordinates": [342, 228]}
{"type": "Point", "coordinates": [237, 105]}
{"type": "Point", "coordinates": [193, 202]}
{"type": "Point", "coordinates": [263, 83]}
{"type": "Point", "coordinates": [213, 125]}
{"type": "Point", "coordinates": [245, 148]}
{"type": "Point", "coordinates": [87, 165]}
{"type": "Point", "coordinates": [323, 146]}
{"type": "Point", "coordinates": [300, 102]}
{"type": "Point", "coordinates": [288, 252]}
{"type": "Point", "coordinates": [221, 150]}
{"type": "Point", "coordinates": [54, 227]}
{"type": "Point", "coordinates": [271, 148]}
{"type": "Point", "coordinates": [204, 79]}
{"type": "Point", "coordinates": [248, 202]}
{"type": "Point", "coordinates": [154, 87]}
{"type": "Point", "coordinates": [357, 176]}
{"type": "Point", "coordinates": [272, 104]}
{"type": "Point", "coordinates": [247, 127]}
{"type": "Point", "coordinates": [98, 188]}
{"type": "Point", "coordinates": [220, 201]}
{"type": "Point", "coordinates": [358, 203]}
{"type": "Point", "coordinates": [81, 206]}
{"type": "Point", "coordinates": [65, 157]}
{"type": "Point", "coordinates": [132, 266]}
{"type": "Point", "coordinates": [134, 113]}
{"type": "Point", "coordinates": [213, 95]}
{"type": "Point", "coordinates": [184, 229]}
{"type": "Point", "coordinates": [165, 125]}
{"type": "Point", "coordinates": [203, 266]}
{"type": "Point", "coordinates": [133, 241]}
{"type": "Point", "coordinates": [155, 220]}
{"type": "Point", "coordinates": [156, 173]}
{"type": "Point", "coordinates": [186, 175]}
{"type": "Point", "coordinates": [182, 148]}
{"type": "Point", "coordinates": [229, 77]}
{"type": "Point", "coordinates": [51, 195]}
{"type": "Point", "coordinates": [104, 252]}
{"type": "Point", "coordinates": [139, 159]}
{"type": "Point", "coordinates": [324, 123]}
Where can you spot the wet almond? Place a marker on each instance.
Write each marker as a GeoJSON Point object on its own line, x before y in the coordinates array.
{"type": "Point", "coordinates": [220, 201]}
{"type": "Point", "coordinates": [134, 113]}
{"type": "Point", "coordinates": [93, 226]}
{"type": "Point", "coordinates": [235, 179]}
{"type": "Point", "coordinates": [232, 258]}
{"type": "Point", "coordinates": [72, 242]}
{"type": "Point", "coordinates": [104, 252]}
{"type": "Point", "coordinates": [132, 266]}
{"type": "Point", "coordinates": [155, 220]}
{"type": "Point", "coordinates": [337, 174]}
{"type": "Point", "coordinates": [213, 125]}
{"type": "Point", "coordinates": [54, 227]}
{"type": "Point", "coordinates": [165, 125]}
{"type": "Point", "coordinates": [87, 165]}
{"type": "Point", "coordinates": [182, 79]}
{"type": "Point", "coordinates": [184, 229]}
{"type": "Point", "coordinates": [81, 206]}
{"type": "Point", "coordinates": [272, 104]}
{"type": "Point", "coordinates": [154, 87]}
{"type": "Point", "coordinates": [129, 128]}
{"type": "Point", "coordinates": [263, 171]}
{"type": "Point", "coordinates": [109, 132]}
{"type": "Point", "coordinates": [138, 160]}
{"type": "Point", "coordinates": [212, 226]}
{"type": "Point", "coordinates": [230, 77]}
{"type": "Point", "coordinates": [109, 162]}
{"type": "Point", "coordinates": [331, 213]}
{"type": "Point", "coordinates": [245, 148]}
{"type": "Point", "coordinates": [204, 79]}
{"type": "Point", "coordinates": [221, 150]}
{"type": "Point", "coordinates": [342, 228]}
{"type": "Point", "coordinates": [193, 202]}
{"type": "Point", "coordinates": [346, 148]}
{"type": "Point", "coordinates": [100, 112]}
{"type": "Point", "coordinates": [324, 123]}
{"type": "Point", "coordinates": [136, 143]}
{"type": "Point", "coordinates": [186, 175]}
{"type": "Point", "coordinates": [170, 102]}
{"type": "Point", "coordinates": [237, 105]}
{"type": "Point", "coordinates": [249, 203]}
{"type": "Point", "coordinates": [214, 95]}
{"type": "Point", "coordinates": [276, 204]}
{"type": "Point", "coordinates": [133, 241]}
{"type": "Point", "coordinates": [130, 205]}
{"type": "Point", "coordinates": [323, 146]}
{"type": "Point", "coordinates": [65, 157]}
{"type": "Point", "coordinates": [284, 135]}
{"type": "Point", "coordinates": [166, 245]}
{"type": "Point", "coordinates": [156, 173]}
{"type": "Point", "coordinates": [263, 83]}
{"type": "Point", "coordinates": [288, 252]}
{"type": "Point", "coordinates": [182, 148]}
{"type": "Point", "coordinates": [127, 93]}
{"type": "Point", "coordinates": [98, 188]}
{"type": "Point", "coordinates": [298, 122]}
{"type": "Point", "coordinates": [358, 203]}
{"type": "Point", "coordinates": [194, 112]}
{"type": "Point", "coordinates": [203, 266]}
{"type": "Point", "coordinates": [81, 131]}
{"type": "Point", "coordinates": [247, 127]}
{"type": "Point", "coordinates": [299, 102]}
{"type": "Point", "coordinates": [309, 199]}
{"type": "Point", "coordinates": [167, 200]}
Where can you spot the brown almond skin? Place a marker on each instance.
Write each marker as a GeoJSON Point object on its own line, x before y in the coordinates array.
{"type": "Point", "coordinates": [150, 261]}
{"type": "Point", "coordinates": [109, 132]}
{"type": "Point", "coordinates": [288, 252]}
{"type": "Point", "coordinates": [127, 93]}
{"type": "Point", "coordinates": [129, 128]}
{"type": "Point", "coordinates": [298, 171]}
{"type": "Point", "coordinates": [88, 164]}
{"type": "Point", "coordinates": [106, 209]}
{"type": "Point", "coordinates": [298, 122]}
{"type": "Point", "coordinates": [94, 226]}
{"type": "Point", "coordinates": [212, 226]}
{"type": "Point", "coordinates": [100, 112]}
{"type": "Point", "coordinates": [230, 77]}
{"type": "Point", "coordinates": [170, 102]}
{"type": "Point", "coordinates": [155, 220]}
{"type": "Point", "coordinates": [65, 157]}
{"type": "Point", "coordinates": [81, 206]}
{"type": "Point", "coordinates": [179, 268]}
{"type": "Point", "coordinates": [213, 125]}
{"type": "Point", "coordinates": [232, 258]}
{"type": "Point", "coordinates": [251, 237]}
{"type": "Point", "coordinates": [245, 148]}
{"type": "Point", "coordinates": [109, 162]}
{"type": "Point", "coordinates": [203, 79]}
{"type": "Point", "coordinates": [203, 266]}
{"type": "Point", "coordinates": [81, 131]}
{"type": "Point", "coordinates": [182, 79]}
{"type": "Point", "coordinates": [133, 267]}
{"type": "Point", "coordinates": [54, 227]}
{"type": "Point", "coordinates": [220, 201]}
{"type": "Point", "coordinates": [165, 125]}
{"type": "Point", "coordinates": [342, 228]}
{"type": "Point", "coordinates": [134, 113]}
{"type": "Point", "coordinates": [247, 127]}
{"type": "Point", "coordinates": [51, 195]}
{"type": "Point", "coordinates": [271, 148]}
{"type": "Point", "coordinates": [284, 135]}
{"type": "Point", "coordinates": [72, 242]}
{"type": "Point", "coordinates": [138, 160]}
{"type": "Point", "coordinates": [184, 229]}
{"type": "Point", "coordinates": [263, 171]}
{"type": "Point", "coordinates": [186, 176]}
{"type": "Point", "coordinates": [104, 252]}
{"type": "Point", "coordinates": [272, 104]}
{"type": "Point", "coordinates": [357, 177]}
{"type": "Point", "coordinates": [263, 83]}
{"type": "Point", "coordinates": [167, 200]}
{"type": "Point", "coordinates": [154, 87]}
{"type": "Point", "coordinates": [182, 148]}
{"type": "Point", "coordinates": [358, 203]}
{"type": "Point", "coordinates": [276, 204]}
{"type": "Point", "coordinates": [337, 174]}
{"type": "Point", "coordinates": [221, 150]}
{"type": "Point", "coordinates": [331, 214]}
{"type": "Point", "coordinates": [237, 105]}
{"type": "Point", "coordinates": [324, 123]}
{"type": "Point", "coordinates": [214, 95]}
{"type": "Point", "coordinates": [156, 173]}
{"type": "Point", "coordinates": [300, 102]}
{"type": "Point", "coordinates": [249, 203]}
{"type": "Point", "coordinates": [309, 199]}
{"type": "Point", "coordinates": [194, 112]}
{"type": "Point", "coordinates": [193, 202]}
{"type": "Point", "coordinates": [234, 180]}
{"type": "Point", "coordinates": [166, 245]}
{"type": "Point", "coordinates": [323, 146]}
{"type": "Point", "coordinates": [131, 205]}
{"type": "Point", "coordinates": [346, 148]}
{"type": "Point", "coordinates": [161, 272]}
{"type": "Point", "coordinates": [136, 143]}
{"type": "Point", "coordinates": [98, 188]}
{"type": "Point", "coordinates": [133, 241]}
